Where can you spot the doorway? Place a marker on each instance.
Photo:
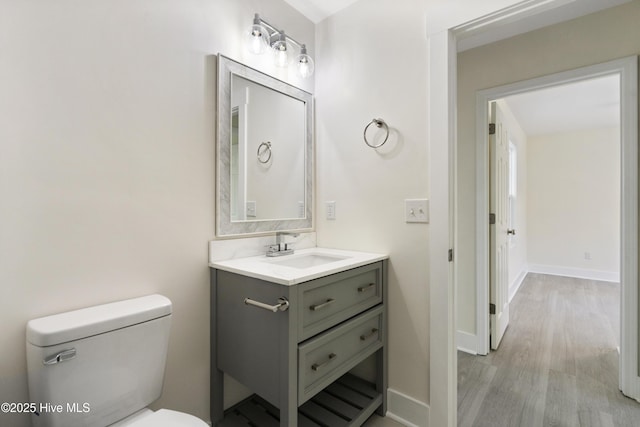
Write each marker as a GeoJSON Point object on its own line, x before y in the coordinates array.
{"type": "Point", "coordinates": [559, 209]}
{"type": "Point", "coordinates": [444, 111]}
{"type": "Point", "coordinates": [625, 70]}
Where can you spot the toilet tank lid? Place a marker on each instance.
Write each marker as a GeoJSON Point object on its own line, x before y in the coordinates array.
{"type": "Point", "coordinates": [86, 322]}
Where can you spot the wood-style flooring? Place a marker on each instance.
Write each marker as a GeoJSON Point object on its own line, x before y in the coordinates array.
{"type": "Point", "coordinates": [557, 364]}
{"type": "Point", "coordinates": [377, 421]}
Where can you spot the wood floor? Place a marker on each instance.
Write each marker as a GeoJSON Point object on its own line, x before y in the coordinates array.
{"type": "Point", "coordinates": [377, 421]}
{"type": "Point", "coordinates": [557, 364]}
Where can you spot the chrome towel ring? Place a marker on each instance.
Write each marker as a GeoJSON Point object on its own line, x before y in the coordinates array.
{"type": "Point", "coordinates": [264, 149]}
{"type": "Point", "coordinates": [379, 124]}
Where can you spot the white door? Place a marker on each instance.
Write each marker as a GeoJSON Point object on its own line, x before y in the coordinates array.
{"type": "Point", "coordinates": [498, 204]}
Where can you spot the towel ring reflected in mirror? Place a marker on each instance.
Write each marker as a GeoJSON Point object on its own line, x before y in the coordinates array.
{"type": "Point", "coordinates": [264, 149]}
{"type": "Point", "coordinates": [379, 124]}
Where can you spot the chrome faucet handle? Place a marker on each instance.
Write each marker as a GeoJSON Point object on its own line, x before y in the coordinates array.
{"type": "Point", "coordinates": [286, 246]}
{"type": "Point", "coordinates": [273, 248]}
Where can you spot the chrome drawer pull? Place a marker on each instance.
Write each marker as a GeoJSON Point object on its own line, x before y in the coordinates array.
{"type": "Point", "coordinates": [316, 307]}
{"type": "Point", "coordinates": [317, 366]}
{"type": "Point", "coordinates": [282, 305]}
{"type": "Point", "coordinates": [369, 335]}
{"type": "Point", "coordinates": [366, 288]}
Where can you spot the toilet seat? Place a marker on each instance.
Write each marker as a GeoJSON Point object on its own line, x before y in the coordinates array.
{"type": "Point", "coordinates": [163, 418]}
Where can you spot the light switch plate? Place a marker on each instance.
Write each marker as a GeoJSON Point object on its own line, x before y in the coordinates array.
{"type": "Point", "coordinates": [416, 210]}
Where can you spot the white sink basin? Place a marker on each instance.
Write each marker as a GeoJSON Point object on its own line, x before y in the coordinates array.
{"type": "Point", "coordinates": [301, 266]}
{"type": "Point", "coordinates": [305, 260]}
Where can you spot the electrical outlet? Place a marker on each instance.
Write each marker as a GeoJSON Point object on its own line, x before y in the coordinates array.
{"type": "Point", "coordinates": [251, 209]}
{"type": "Point", "coordinates": [416, 210]}
{"type": "Point", "coordinates": [331, 210]}
{"type": "Point", "coordinates": [587, 256]}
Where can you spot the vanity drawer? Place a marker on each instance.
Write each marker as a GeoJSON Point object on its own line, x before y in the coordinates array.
{"type": "Point", "coordinates": [327, 357]}
{"type": "Point", "coordinates": [330, 300]}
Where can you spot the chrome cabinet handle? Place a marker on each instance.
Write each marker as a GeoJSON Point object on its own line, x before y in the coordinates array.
{"type": "Point", "coordinates": [369, 335]}
{"type": "Point", "coordinates": [63, 356]}
{"type": "Point", "coordinates": [511, 231]}
{"type": "Point", "coordinates": [366, 287]}
{"type": "Point", "coordinates": [283, 304]}
{"type": "Point", "coordinates": [317, 307]}
{"type": "Point", "coordinates": [317, 366]}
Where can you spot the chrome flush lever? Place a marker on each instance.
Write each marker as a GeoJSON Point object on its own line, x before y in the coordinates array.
{"type": "Point", "coordinates": [63, 356]}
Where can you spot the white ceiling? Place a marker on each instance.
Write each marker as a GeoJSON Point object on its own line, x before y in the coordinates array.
{"type": "Point", "coordinates": [317, 10]}
{"type": "Point", "coordinates": [577, 106]}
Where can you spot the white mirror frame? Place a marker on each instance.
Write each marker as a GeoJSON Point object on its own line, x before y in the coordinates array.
{"type": "Point", "coordinates": [224, 226]}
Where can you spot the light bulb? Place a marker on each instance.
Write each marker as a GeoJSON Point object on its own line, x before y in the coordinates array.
{"type": "Point", "coordinates": [257, 37]}
{"type": "Point", "coordinates": [281, 50]}
{"type": "Point", "coordinates": [305, 63]}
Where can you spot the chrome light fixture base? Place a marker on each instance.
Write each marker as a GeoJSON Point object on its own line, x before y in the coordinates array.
{"type": "Point", "coordinates": [262, 35]}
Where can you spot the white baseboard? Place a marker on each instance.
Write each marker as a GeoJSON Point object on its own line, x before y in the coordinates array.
{"type": "Point", "coordinates": [515, 286]}
{"type": "Point", "coordinates": [406, 410]}
{"type": "Point", "coordinates": [580, 273]}
{"type": "Point", "coordinates": [467, 342]}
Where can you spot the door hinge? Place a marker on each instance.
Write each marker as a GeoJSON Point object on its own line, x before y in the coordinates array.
{"type": "Point", "coordinates": [492, 309]}
{"type": "Point", "coordinates": [450, 255]}
{"type": "Point", "coordinates": [492, 128]}
{"type": "Point", "coordinates": [492, 218]}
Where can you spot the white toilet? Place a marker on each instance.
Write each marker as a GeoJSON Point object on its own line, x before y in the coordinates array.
{"type": "Point", "coordinates": [101, 366]}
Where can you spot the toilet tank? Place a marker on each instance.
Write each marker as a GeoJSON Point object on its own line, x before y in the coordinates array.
{"type": "Point", "coordinates": [95, 366]}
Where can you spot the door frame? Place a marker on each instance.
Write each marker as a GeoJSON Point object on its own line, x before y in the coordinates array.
{"type": "Point", "coordinates": [441, 131]}
{"type": "Point", "coordinates": [626, 69]}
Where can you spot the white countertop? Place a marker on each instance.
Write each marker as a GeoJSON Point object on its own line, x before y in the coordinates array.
{"type": "Point", "coordinates": [270, 269]}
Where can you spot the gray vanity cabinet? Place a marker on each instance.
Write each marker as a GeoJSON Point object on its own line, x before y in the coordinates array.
{"type": "Point", "coordinates": [297, 361]}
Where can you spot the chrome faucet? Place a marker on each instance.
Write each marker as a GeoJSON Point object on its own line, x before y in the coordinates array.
{"type": "Point", "coordinates": [281, 247]}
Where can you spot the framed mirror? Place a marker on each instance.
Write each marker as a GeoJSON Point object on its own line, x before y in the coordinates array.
{"type": "Point", "coordinates": [264, 153]}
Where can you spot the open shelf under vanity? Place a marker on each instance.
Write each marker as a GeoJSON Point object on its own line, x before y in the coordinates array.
{"type": "Point", "coordinates": [347, 402]}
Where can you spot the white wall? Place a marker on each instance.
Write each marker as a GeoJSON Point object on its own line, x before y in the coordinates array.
{"type": "Point", "coordinates": [592, 39]}
{"type": "Point", "coordinates": [574, 202]}
{"type": "Point", "coordinates": [107, 165]}
{"type": "Point", "coordinates": [373, 64]}
{"type": "Point", "coordinates": [373, 57]}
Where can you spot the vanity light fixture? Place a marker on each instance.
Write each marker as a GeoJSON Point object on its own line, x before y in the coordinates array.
{"type": "Point", "coordinates": [261, 35]}
{"type": "Point", "coordinates": [305, 63]}
{"type": "Point", "coordinates": [257, 37]}
{"type": "Point", "coordinates": [281, 56]}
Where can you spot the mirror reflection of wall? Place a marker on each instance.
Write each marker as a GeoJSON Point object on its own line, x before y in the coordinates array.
{"type": "Point", "coordinates": [275, 188]}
